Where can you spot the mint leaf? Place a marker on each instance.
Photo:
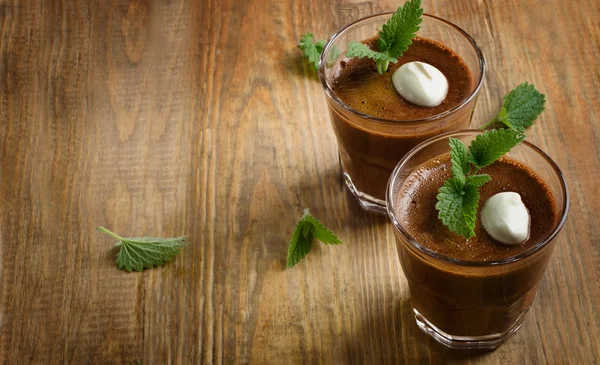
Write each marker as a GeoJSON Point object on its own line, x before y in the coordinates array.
{"type": "Point", "coordinates": [382, 60]}
{"type": "Point", "coordinates": [491, 145]}
{"type": "Point", "coordinates": [308, 229]}
{"type": "Point", "coordinates": [397, 33]}
{"type": "Point", "coordinates": [312, 50]}
{"type": "Point", "coordinates": [321, 232]}
{"type": "Point", "coordinates": [138, 253]}
{"type": "Point", "coordinates": [457, 206]}
{"type": "Point", "coordinates": [478, 180]}
{"type": "Point", "coordinates": [458, 197]}
{"type": "Point", "coordinates": [460, 161]}
{"type": "Point", "coordinates": [300, 244]}
{"type": "Point", "coordinates": [357, 49]}
{"type": "Point", "coordinates": [520, 108]}
{"type": "Point", "coordinates": [394, 38]}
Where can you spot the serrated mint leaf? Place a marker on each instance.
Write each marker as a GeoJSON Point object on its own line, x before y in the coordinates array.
{"type": "Point", "coordinates": [312, 50]}
{"type": "Point", "coordinates": [491, 145]}
{"type": "Point", "coordinates": [357, 49]}
{"type": "Point", "coordinates": [459, 158]}
{"type": "Point", "coordinates": [299, 247]}
{"type": "Point", "coordinates": [521, 107]}
{"type": "Point", "coordinates": [321, 232]}
{"type": "Point", "coordinates": [397, 33]}
{"type": "Point", "coordinates": [394, 37]}
{"type": "Point", "coordinates": [308, 229]}
{"type": "Point", "coordinates": [478, 180]}
{"type": "Point", "coordinates": [458, 207]}
{"type": "Point", "coordinates": [138, 253]}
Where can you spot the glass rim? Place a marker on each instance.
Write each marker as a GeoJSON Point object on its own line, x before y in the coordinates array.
{"type": "Point", "coordinates": [331, 94]}
{"type": "Point", "coordinates": [530, 251]}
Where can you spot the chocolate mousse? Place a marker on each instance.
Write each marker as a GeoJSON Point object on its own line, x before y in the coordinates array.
{"type": "Point", "coordinates": [369, 150]}
{"type": "Point", "coordinates": [361, 87]}
{"type": "Point", "coordinates": [472, 298]}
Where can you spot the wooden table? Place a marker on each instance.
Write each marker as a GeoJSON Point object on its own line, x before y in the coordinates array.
{"type": "Point", "coordinates": [201, 118]}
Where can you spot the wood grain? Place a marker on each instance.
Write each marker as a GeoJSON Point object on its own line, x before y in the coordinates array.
{"type": "Point", "coordinates": [201, 118]}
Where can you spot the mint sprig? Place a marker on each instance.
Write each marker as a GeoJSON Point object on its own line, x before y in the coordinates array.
{"type": "Point", "coordinates": [457, 206]}
{"type": "Point", "coordinates": [307, 230]}
{"type": "Point", "coordinates": [491, 145]}
{"type": "Point", "coordinates": [138, 253]}
{"type": "Point", "coordinates": [394, 37]}
{"type": "Point", "coordinates": [360, 50]}
{"type": "Point", "coordinates": [312, 50]}
{"type": "Point", "coordinates": [520, 108]}
{"type": "Point", "coordinates": [458, 198]}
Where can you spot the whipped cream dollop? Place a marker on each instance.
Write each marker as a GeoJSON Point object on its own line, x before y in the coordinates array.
{"type": "Point", "coordinates": [505, 218]}
{"type": "Point", "coordinates": [421, 84]}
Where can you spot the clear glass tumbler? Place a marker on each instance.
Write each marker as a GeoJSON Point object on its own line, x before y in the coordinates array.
{"type": "Point", "coordinates": [473, 304]}
{"type": "Point", "coordinates": [370, 147]}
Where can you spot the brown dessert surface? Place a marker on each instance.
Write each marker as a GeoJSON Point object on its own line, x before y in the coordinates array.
{"type": "Point", "coordinates": [360, 86]}
{"type": "Point", "coordinates": [418, 216]}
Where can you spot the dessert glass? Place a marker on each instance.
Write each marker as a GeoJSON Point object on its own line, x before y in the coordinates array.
{"type": "Point", "coordinates": [473, 304]}
{"type": "Point", "coordinates": [370, 147]}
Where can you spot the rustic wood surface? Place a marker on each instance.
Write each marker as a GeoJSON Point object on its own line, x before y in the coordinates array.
{"type": "Point", "coordinates": [201, 118]}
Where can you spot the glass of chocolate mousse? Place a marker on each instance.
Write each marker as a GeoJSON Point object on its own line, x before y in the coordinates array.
{"type": "Point", "coordinates": [473, 293]}
{"type": "Point", "coordinates": [374, 125]}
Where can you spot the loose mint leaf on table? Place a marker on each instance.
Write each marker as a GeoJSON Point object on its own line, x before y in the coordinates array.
{"type": "Point", "coordinates": [312, 50]}
{"type": "Point", "coordinates": [394, 38]}
{"type": "Point", "coordinates": [520, 108]}
{"type": "Point", "coordinates": [308, 229]}
{"type": "Point", "coordinates": [138, 253]}
{"type": "Point", "coordinates": [491, 145]}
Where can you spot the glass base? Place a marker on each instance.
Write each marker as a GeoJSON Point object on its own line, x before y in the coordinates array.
{"type": "Point", "coordinates": [366, 201]}
{"type": "Point", "coordinates": [490, 342]}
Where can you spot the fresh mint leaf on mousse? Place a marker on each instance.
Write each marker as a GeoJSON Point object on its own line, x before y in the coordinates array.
{"type": "Point", "coordinates": [458, 198]}
{"type": "Point", "coordinates": [307, 230]}
{"type": "Point", "coordinates": [394, 38]}
{"type": "Point", "coordinates": [520, 108]}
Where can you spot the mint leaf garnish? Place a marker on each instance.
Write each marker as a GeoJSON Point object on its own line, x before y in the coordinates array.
{"type": "Point", "coordinates": [457, 206]}
{"type": "Point", "coordinates": [491, 145]}
{"type": "Point", "coordinates": [357, 49]}
{"type": "Point", "coordinates": [460, 161]}
{"type": "Point", "coordinates": [458, 197]}
{"type": "Point", "coordinates": [397, 33]}
{"type": "Point", "coordinates": [138, 253]}
{"type": "Point", "coordinates": [520, 108]}
{"type": "Point", "coordinates": [312, 50]}
{"type": "Point", "coordinates": [308, 229]}
{"type": "Point", "coordinates": [478, 180]}
{"type": "Point", "coordinates": [394, 38]}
